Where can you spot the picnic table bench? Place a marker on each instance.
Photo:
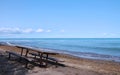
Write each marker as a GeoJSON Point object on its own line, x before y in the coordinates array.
{"type": "Point", "coordinates": [21, 58]}
{"type": "Point", "coordinates": [47, 58]}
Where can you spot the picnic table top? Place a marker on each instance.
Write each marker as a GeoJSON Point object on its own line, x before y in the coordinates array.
{"type": "Point", "coordinates": [36, 50]}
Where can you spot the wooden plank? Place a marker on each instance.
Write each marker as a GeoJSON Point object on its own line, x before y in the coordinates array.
{"type": "Point", "coordinates": [44, 52]}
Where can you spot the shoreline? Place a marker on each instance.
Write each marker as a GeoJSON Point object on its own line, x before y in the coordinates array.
{"type": "Point", "coordinates": [100, 66]}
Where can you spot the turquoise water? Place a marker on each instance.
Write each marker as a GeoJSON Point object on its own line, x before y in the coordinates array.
{"type": "Point", "coordinates": [100, 48]}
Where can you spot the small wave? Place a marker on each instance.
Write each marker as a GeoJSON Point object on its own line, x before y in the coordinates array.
{"type": "Point", "coordinates": [4, 43]}
{"type": "Point", "coordinates": [94, 56]}
{"type": "Point", "coordinates": [8, 43]}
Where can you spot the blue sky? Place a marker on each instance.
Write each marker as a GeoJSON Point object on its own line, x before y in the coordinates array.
{"type": "Point", "coordinates": [60, 18]}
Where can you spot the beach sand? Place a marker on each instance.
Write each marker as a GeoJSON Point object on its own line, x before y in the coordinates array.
{"type": "Point", "coordinates": [73, 66]}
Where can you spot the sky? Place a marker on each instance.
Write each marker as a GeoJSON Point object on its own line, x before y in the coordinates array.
{"type": "Point", "coordinates": [59, 18]}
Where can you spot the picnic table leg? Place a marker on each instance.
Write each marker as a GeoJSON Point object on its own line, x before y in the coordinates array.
{"type": "Point", "coordinates": [21, 51]}
{"type": "Point", "coordinates": [26, 64]}
{"type": "Point", "coordinates": [56, 64]}
{"type": "Point", "coordinates": [26, 52]}
{"type": "Point", "coordinates": [9, 56]}
{"type": "Point", "coordinates": [46, 62]}
{"type": "Point", "coordinates": [41, 59]}
{"type": "Point", "coordinates": [35, 57]}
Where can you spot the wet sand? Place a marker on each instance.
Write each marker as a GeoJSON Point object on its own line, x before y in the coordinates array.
{"type": "Point", "coordinates": [73, 66]}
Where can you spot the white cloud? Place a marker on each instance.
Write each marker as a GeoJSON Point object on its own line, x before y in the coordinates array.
{"type": "Point", "coordinates": [28, 30]}
{"type": "Point", "coordinates": [62, 30]}
{"type": "Point", "coordinates": [110, 34]}
{"type": "Point", "coordinates": [9, 31]}
{"type": "Point", "coordinates": [48, 31]}
{"type": "Point", "coordinates": [105, 34]}
{"type": "Point", "coordinates": [39, 30]}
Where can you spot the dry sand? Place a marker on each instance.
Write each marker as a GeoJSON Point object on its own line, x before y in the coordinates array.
{"type": "Point", "coordinates": [74, 66]}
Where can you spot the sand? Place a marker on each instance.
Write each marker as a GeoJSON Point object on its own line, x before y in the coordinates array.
{"type": "Point", "coordinates": [73, 66]}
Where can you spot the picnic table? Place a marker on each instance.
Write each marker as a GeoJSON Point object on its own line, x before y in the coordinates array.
{"type": "Point", "coordinates": [41, 54]}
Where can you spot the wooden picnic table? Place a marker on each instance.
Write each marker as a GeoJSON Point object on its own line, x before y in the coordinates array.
{"type": "Point", "coordinates": [41, 53]}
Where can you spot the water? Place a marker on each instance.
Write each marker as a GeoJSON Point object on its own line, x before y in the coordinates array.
{"type": "Point", "coordinates": [95, 48]}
